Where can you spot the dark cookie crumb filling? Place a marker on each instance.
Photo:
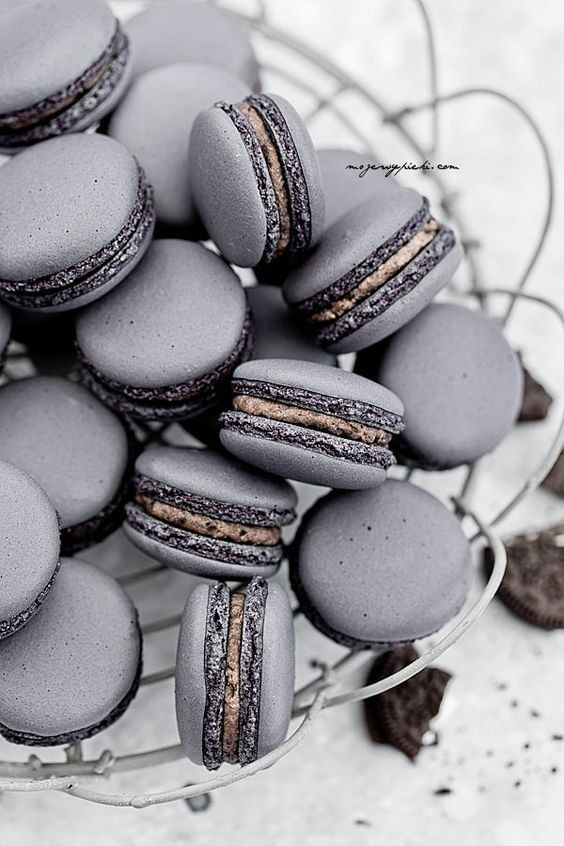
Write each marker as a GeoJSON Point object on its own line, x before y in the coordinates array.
{"type": "Point", "coordinates": [246, 514]}
{"type": "Point", "coordinates": [18, 621]}
{"type": "Point", "coordinates": [28, 739]}
{"type": "Point", "coordinates": [298, 436]}
{"type": "Point", "coordinates": [325, 298]}
{"type": "Point", "coordinates": [262, 176]}
{"type": "Point", "coordinates": [401, 716]}
{"type": "Point", "coordinates": [346, 409]}
{"type": "Point", "coordinates": [250, 672]}
{"type": "Point", "coordinates": [215, 648]}
{"type": "Point", "coordinates": [95, 271]}
{"type": "Point", "coordinates": [61, 112]}
{"type": "Point", "coordinates": [300, 208]}
{"type": "Point", "coordinates": [214, 549]}
{"type": "Point", "coordinates": [393, 290]}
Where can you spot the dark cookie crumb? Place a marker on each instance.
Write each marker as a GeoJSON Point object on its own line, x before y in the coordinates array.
{"type": "Point", "coordinates": [536, 400]}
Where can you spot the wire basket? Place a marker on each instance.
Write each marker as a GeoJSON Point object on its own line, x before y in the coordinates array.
{"type": "Point", "coordinates": [75, 775]}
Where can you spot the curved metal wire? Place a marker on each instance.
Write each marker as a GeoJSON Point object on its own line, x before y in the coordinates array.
{"type": "Point", "coordinates": [37, 775]}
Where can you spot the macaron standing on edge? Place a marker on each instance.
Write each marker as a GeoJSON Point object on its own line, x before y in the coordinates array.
{"type": "Point", "coordinates": [30, 543]}
{"type": "Point", "coordinates": [374, 271]}
{"type": "Point", "coordinates": [63, 66]}
{"type": "Point", "coordinates": [74, 447]}
{"type": "Point", "coordinates": [234, 673]}
{"type": "Point", "coordinates": [205, 513]}
{"type": "Point", "coordinates": [154, 121]}
{"type": "Point", "coordinates": [311, 423]}
{"type": "Point", "coordinates": [380, 567]}
{"type": "Point", "coordinates": [183, 31]}
{"type": "Point", "coordinates": [461, 383]}
{"type": "Point", "coordinates": [153, 348]}
{"type": "Point", "coordinates": [76, 217]}
{"type": "Point", "coordinates": [75, 668]}
{"type": "Point", "coordinates": [255, 179]}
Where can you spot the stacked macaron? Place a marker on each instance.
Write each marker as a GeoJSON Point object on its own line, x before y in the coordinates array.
{"type": "Point", "coordinates": [161, 331]}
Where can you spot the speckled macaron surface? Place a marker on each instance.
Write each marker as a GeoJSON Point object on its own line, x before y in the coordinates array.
{"type": "Point", "coordinates": [154, 121]}
{"type": "Point", "coordinates": [74, 669]}
{"type": "Point", "coordinates": [234, 673]}
{"type": "Point", "coordinates": [154, 348]}
{"type": "Point", "coordinates": [71, 444]}
{"type": "Point", "coordinates": [277, 335]}
{"type": "Point", "coordinates": [76, 216]}
{"type": "Point", "coordinates": [63, 66]}
{"type": "Point", "coordinates": [312, 423]}
{"type": "Point", "coordinates": [205, 513]}
{"type": "Point", "coordinates": [376, 269]}
{"type": "Point", "coordinates": [184, 31]}
{"type": "Point", "coordinates": [380, 567]}
{"type": "Point", "coordinates": [255, 179]}
{"type": "Point", "coordinates": [349, 179]}
{"type": "Point", "coordinates": [461, 383]}
{"type": "Point", "coordinates": [29, 533]}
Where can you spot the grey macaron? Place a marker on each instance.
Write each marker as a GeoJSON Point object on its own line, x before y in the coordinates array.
{"type": "Point", "coordinates": [376, 269]}
{"type": "Point", "coordinates": [154, 121]}
{"type": "Point", "coordinates": [461, 383]}
{"type": "Point", "coordinates": [74, 447]}
{"type": "Point", "coordinates": [63, 66]}
{"type": "Point", "coordinates": [74, 669]}
{"type": "Point", "coordinates": [234, 673]}
{"type": "Point", "coordinates": [377, 567]}
{"type": "Point", "coordinates": [154, 348]}
{"type": "Point", "coordinates": [183, 31]}
{"type": "Point", "coordinates": [277, 334]}
{"type": "Point", "coordinates": [312, 423]}
{"type": "Point", "coordinates": [207, 514]}
{"type": "Point", "coordinates": [29, 533]}
{"type": "Point", "coordinates": [76, 216]}
{"type": "Point", "coordinates": [256, 180]}
{"type": "Point", "coordinates": [349, 179]}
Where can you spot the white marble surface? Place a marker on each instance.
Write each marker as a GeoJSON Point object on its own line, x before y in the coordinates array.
{"type": "Point", "coordinates": [497, 753]}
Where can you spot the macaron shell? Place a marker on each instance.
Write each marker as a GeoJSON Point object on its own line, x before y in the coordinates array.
{"type": "Point", "coordinates": [196, 565]}
{"type": "Point", "coordinates": [349, 241]}
{"type": "Point", "coordinates": [190, 683]}
{"type": "Point", "coordinates": [164, 34]}
{"type": "Point", "coordinates": [74, 447]}
{"type": "Point", "coordinates": [310, 165]}
{"type": "Point", "coordinates": [462, 384]}
{"type": "Point", "coordinates": [214, 475]}
{"type": "Point", "coordinates": [277, 334]}
{"type": "Point", "coordinates": [382, 566]}
{"type": "Point", "coordinates": [300, 463]}
{"type": "Point", "coordinates": [75, 661]}
{"type": "Point", "coordinates": [154, 121]}
{"type": "Point", "coordinates": [154, 330]}
{"type": "Point", "coordinates": [320, 379]}
{"type": "Point", "coordinates": [278, 670]}
{"type": "Point", "coordinates": [29, 531]}
{"type": "Point", "coordinates": [62, 201]}
{"type": "Point", "coordinates": [404, 309]}
{"type": "Point", "coordinates": [46, 44]}
{"type": "Point", "coordinates": [344, 187]}
{"type": "Point", "coordinates": [224, 188]}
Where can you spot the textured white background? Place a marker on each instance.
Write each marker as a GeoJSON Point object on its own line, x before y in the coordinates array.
{"type": "Point", "coordinates": [496, 751]}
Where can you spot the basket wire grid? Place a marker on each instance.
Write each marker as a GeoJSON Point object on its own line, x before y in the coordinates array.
{"type": "Point", "coordinates": [69, 776]}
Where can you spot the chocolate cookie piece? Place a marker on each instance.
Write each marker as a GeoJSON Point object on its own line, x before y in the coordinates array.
{"type": "Point", "coordinates": [401, 716]}
{"type": "Point", "coordinates": [533, 585]}
{"type": "Point", "coordinates": [536, 399]}
{"type": "Point", "coordinates": [554, 481]}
